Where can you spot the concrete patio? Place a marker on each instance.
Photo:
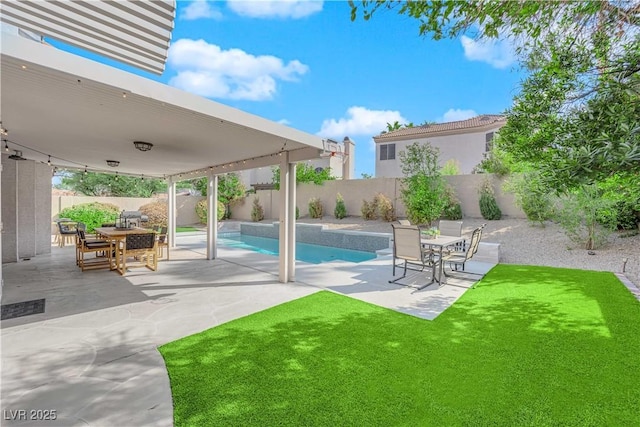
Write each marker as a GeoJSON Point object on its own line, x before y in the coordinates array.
{"type": "Point", "coordinates": [91, 356]}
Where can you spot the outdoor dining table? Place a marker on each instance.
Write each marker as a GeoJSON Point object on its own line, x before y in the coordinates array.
{"type": "Point", "coordinates": [117, 235]}
{"type": "Point", "coordinates": [438, 244]}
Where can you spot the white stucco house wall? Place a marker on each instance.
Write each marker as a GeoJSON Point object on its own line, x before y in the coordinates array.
{"type": "Point", "coordinates": [464, 141]}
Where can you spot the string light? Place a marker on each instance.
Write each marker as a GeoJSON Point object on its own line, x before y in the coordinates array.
{"type": "Point", "coordinates": [116, 176]}
{"type": "Point", "coordinates": [142, 177]}
{"type": "Point", "coordinates": [49, 161]}
{"type": "Point", "coordinates": [85, 169]}
{"type": "Point", "coordinates": [6, 146]}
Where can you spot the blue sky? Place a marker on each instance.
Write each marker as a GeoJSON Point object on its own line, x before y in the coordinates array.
{"type": "Point", "coordinates": [305, 64]}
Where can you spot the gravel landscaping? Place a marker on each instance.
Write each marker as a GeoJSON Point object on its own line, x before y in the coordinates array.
{"type": "Point", "coordinates": [523, 243]}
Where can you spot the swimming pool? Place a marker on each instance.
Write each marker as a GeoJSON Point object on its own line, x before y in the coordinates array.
{"type": "Point", "coordinates": [306, 252]}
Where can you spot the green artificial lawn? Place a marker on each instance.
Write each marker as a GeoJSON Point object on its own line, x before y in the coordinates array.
{"type": "Point", "coordinates": [528, 346]}
{"type": "Point", "coordinates": [184, 229]}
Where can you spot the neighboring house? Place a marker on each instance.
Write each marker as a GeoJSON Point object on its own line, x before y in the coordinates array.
{"type": "Point", "coordinates": [465, 141]}
{"type": "Point", "coordinates": [339, 156]}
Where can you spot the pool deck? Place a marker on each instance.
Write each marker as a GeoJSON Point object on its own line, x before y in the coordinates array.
{"type": "Point", "coordinates": [92, 355]}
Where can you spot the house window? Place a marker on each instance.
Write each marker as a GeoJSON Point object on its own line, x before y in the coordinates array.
{"type": "Point", "coordinates": [388, 152]}
{"type": "Point", "coordinates": [488, 141]}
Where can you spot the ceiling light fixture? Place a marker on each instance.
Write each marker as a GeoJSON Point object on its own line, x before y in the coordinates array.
{"type": "Point", "coordinates": [143, 146]}
{"type": "Point", "coordinates": [113, 163]}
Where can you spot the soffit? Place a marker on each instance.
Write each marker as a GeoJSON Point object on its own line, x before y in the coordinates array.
{"type": "Point", "coordinates": [96, 112]}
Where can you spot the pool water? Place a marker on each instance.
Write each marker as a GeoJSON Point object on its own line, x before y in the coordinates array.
{"type": "Point", "coordinates": [313, 254]}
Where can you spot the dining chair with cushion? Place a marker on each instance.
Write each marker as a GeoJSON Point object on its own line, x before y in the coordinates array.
{"type": "Point", "coordinates": [102, 249]}
{"type": "Point", "coordinates": [141, 248]}
{"type": "Point", "coordinates": [408, 248]}
{"type": "Point", "coordinates": [66, 232]}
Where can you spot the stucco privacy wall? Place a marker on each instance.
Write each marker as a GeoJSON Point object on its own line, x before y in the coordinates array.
{"type": "Point", "coordinates": [185, 205]}
{"type": "Point", "coordinates": [26, 209]}
{"type": "Point", "coordinates": [357, 190]}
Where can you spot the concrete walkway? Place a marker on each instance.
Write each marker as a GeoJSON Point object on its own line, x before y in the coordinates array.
{"type": "Point", "coordinates": [91, 356]}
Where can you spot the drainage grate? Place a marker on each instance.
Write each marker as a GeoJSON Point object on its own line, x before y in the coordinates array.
{"type": "Point", "coordinates": [19, 309]}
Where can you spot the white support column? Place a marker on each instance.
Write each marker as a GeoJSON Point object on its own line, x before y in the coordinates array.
{"type": "Point", "coordinates": [292, 222]}
{"type": "Point", "coordinates": [171, 222]}
{"type": "Point", "coordinates": [212, 216]}
{"type": "Point", "coordinates": [285, 230]}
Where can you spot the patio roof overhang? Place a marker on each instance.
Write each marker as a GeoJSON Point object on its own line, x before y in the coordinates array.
{"type": "Point", "coordinates": [81, 112]}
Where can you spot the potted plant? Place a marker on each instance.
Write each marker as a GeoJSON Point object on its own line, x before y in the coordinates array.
{"type": "Point", "coordinates": [431, 233]}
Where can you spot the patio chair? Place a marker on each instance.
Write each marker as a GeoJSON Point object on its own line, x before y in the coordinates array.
{"type": "Point", "coordinates": [142, 248]}
{"type": "Point", "coordinates": [102, 249]}
{"type": "Point", "coordinates": [66, 231]}
{"type": "Point", "coordinates": [82, 238]}
{"type": "Point", "coordinates": [408, 248]}
{"type": "Point", "coordinates": [461, 257]}
{"type": "Point", "coordinates": [163, 241]}
{"type": "Point", "coordinates": [452, 228]}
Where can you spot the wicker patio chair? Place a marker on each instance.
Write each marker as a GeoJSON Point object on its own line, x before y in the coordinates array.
{"type": "Point", "coordinates": [102, 249]}
{"type": "Point", "coordinates": [66, 231]}
{"type": "Point", "coordinates": [142, 248]}
{"type": "Point", "coordinates": [408, 248]}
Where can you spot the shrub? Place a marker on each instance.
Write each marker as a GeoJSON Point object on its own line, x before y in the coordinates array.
{"type": "Point", "coordinates": [579, 214]}
{"type": "Point", "coordinates": [532, 196]}
{"type": "Point", "coordinates": [384, 208]}
{"type": "Point", "coordinates": [452, 211]}
{"type": "Point", "coordinates": [315, 208]}
{"type": "Point", "coordinates": [368, 210]}
{"type": "Point", "coordinates": [340, 210]}
{"type": "Point", "coordinates": [201, 210]}
{"type": "Point", "coordinates": [257, 212]}
{"type": "Point", "coordinates": [451, 167]}
{"type": "Point", "coordinates": [92, 214]}
{"type": "Point", "coordinates": [297, 213]}
{"type": "Point", "coordinates": [488, 205]}
{"type": "Point", "coordinates": [623, 189]}
{"type": "Point", "coordinates": [157, 212]}
{"type": "Point", "coordinates": [423, 186]}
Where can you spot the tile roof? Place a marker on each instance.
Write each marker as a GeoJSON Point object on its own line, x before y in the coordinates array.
{"type": "Point", "coordinates": [474, 122]}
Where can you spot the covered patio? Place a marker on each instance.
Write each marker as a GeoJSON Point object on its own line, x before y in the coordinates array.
{"type": "Point", "coordinates": [65, 111]}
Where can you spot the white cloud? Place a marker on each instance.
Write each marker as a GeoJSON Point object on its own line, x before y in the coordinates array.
{"type": "Point", "coordinates": [199, 9]}
{"type": "Point", "coordinates": [360, 121]}
{"type": "Point", "coordinates": [497, 53]}
{"type": "Point", "coordinates": [207, 70]}
{"type": "Point", "coordinates": [455, 114]}
{"type": "Point", "coordinates": [275, 9]}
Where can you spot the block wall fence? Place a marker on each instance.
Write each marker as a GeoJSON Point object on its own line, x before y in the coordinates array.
{"type": "Point", "coordinates": [353, 191]}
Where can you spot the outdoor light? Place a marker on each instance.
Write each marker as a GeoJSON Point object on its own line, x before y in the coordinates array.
{"type": "Point", "coordinates": [6, 146]}
{"type": "Point", "coordinates": [49, 161]}
{"type": "Point", "coordinates": [143, 146]}
{"type": "Point", "coordinates": [113, 163]}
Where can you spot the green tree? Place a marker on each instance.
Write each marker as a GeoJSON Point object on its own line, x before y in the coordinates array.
{"type": "Point", "coordinates": [423, 188]}
{"type": "Point", "coordinates": [304, 173]}
{"type": "Point", "coordinates": [108, 185]}
{"type": "Point", "coordinates": [576, 118]}
{"type": "Point", "coordinates": [230, 189]}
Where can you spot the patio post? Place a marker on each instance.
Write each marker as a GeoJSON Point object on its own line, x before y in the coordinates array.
{"type": "Point", "coordinates": [292, 222]}
{"type": "Point", "coordinates": [285, 230]}
{"type": "Point", "coordinates": [171, 221]}
{"type": "Point", "coordinates": [212, 215]}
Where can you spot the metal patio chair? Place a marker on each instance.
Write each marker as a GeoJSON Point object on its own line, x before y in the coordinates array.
{"type": "Point", "coordinates": [408, 248]}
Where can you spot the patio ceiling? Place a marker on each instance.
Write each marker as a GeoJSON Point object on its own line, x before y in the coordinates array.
{"type": "Point", "coordinates": [82, 112]}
